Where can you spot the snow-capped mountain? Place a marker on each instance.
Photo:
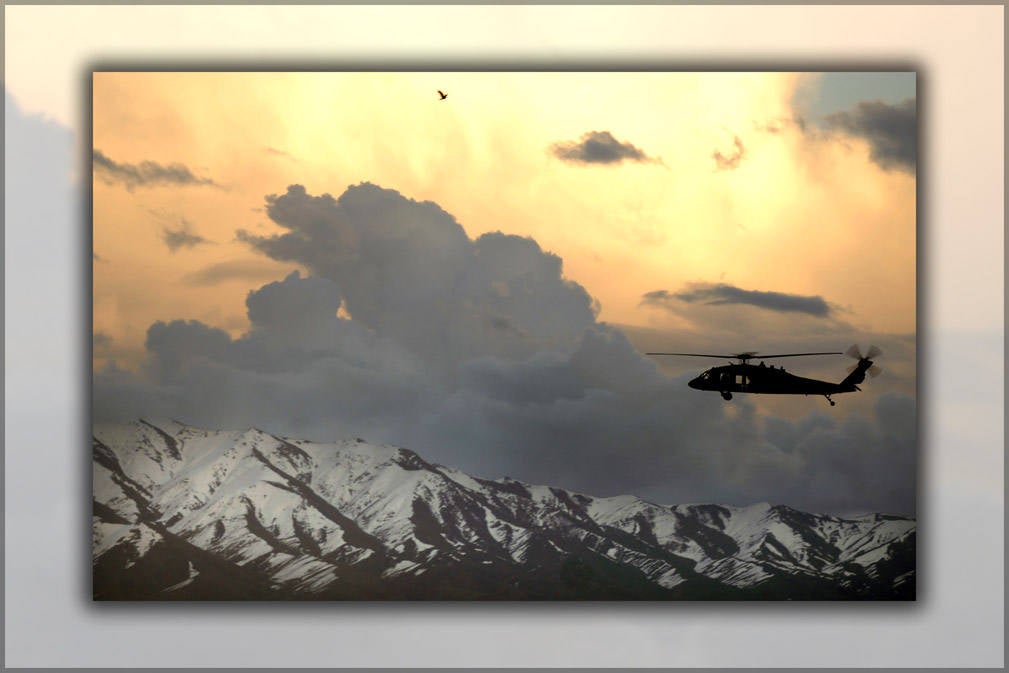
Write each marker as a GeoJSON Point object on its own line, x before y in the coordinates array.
{"type": "Point", "coordinates": [182, 513]}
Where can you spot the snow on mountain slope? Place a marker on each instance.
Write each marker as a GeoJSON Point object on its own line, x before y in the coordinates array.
{"type": "Point", "coordinates": [241, 514]}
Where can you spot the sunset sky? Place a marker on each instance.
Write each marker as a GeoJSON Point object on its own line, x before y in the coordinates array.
{"type": "Point", "coordinates": [470, 273]}
{"type": "Point", "coordinates": [795, 208]}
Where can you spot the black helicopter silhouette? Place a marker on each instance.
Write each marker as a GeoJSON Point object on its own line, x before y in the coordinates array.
{"type": "Point", "coordinates": [742, 377]}
{"type": "Point", "coordinates": [443, 95]}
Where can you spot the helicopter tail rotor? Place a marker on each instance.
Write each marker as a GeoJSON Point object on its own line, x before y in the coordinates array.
{"type": "Point", "coordinates": [865, 362]}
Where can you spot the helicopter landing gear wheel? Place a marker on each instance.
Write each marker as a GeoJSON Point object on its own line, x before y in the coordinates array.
{"type": "Point", "coordinates": [726, 396]}
{"type": "Point", "coordinates": [832, 402]}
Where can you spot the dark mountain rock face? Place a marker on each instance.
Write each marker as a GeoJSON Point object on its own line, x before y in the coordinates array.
{"type": "Point", "coordinates": [182, 513]}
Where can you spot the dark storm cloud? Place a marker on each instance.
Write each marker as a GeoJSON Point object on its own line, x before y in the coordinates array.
{"type": "Point", "coordinates": [598, 147]}
{"type": "Point", "coordinates": [146, 173]}
{"type": "Point", "coordinates": [408, 270]}
{"type": "Point", "coordinates": [299, 368]}
{"type": "Point", "coordinates": [183, 237]}
{"type": "Point", "coordinates": [289, 303]}
{"type": "Point", "coordinates": [176, 344]}
{"type": "Point", "coordinates": [731, 160]}
{"type": "Point", "coordinates": [479, 354]}
{"type": "Point", "coordinates": [854, 460]}
{"type": "Point", "coordinates": [252, 270]}
{"type": "Point", "coordinates": [721, 293]}
{"type": "Point", "coordinates": [891, 130]}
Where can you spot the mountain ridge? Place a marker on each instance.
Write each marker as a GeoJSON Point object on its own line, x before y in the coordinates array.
{"type": "Point", "coordinates": [184, 513]}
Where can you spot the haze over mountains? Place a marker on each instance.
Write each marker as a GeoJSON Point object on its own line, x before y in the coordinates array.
{"type": "Point", "coordinates": [182, 513]}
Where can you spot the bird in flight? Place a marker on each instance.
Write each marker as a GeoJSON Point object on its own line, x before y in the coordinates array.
{"type": "Point", "coordinates": [443, 95]}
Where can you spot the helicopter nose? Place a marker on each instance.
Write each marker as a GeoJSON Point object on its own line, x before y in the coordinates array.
{"type": "Point", "coordinates": [695, 383]}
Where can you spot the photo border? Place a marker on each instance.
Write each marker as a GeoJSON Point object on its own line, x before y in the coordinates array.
{"type": "Point", "coordinates": [929, 343]}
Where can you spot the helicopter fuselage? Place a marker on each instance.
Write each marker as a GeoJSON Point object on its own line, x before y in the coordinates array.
{"type": "Point", "coordinates": [747, 378]}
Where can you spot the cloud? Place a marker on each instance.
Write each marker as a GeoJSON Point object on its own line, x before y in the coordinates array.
{"type": "Point", "coordinates": [891, 131]}
{"type": "Point", "coordinates": [105, 349]}
{"type": "Point", "coordinates": [146, 173]}
{"type": "Point", "coordinates": [656, 297]}
{"type": "Point", "coordinates": [183, 237]}
{"type": "Point", "coordinates": [230, 270]}
{"type": "Point", "coordinates": [730, 161]}
{"type": "Point", "coordinates": [879, 449]}
{"type": "Point", "coordinates": [480, 354]}
{"type": "Point", "coordinates": [781, 124]}
{"type": "Point", "coordinates": [101, 341]}
{"type": "Point", "coordinates": [176, 344]}
{"type": "Point", "coordinates": [280, 153]}
{"type": "Point", "coordinates": [407, 269]}
{"type": "Point", "coordinates": [292, 301]}
{"type": "Point", "coordinates": [717, 294]}
{"type": "Point", "coordinates": [598, 147]}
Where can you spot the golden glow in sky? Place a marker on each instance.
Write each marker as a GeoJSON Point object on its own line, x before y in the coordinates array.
{"type": "Point", "coordinates": [729, 186]}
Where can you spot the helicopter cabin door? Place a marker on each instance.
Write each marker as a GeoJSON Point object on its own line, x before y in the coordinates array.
{"type": "Point", "coordinates": [734, 380]}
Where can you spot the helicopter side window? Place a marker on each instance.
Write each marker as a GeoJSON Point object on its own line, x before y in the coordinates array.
{"type": "Point", "coordinates": [740, 379]}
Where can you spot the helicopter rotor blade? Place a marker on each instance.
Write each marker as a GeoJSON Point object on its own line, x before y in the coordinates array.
{"type": "Point", "coordinates": [873, 352]}
{"type": "Point", "coordinates": [696, 355]}
{"type": "Point", "coordinates": [748, 355]}
{"type": "Point", "coordinates": [794, 355]}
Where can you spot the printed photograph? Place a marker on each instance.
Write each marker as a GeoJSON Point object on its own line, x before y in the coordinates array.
{"type": "Point", "coordinates": [504, 336]}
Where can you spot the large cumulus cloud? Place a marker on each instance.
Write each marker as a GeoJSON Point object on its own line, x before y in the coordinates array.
{"type": "Point", "coordinates": [408, 271]}
{"type": "Point", "coordinates": [480, 354]}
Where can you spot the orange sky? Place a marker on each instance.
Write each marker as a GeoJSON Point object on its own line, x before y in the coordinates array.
{"type": "Point", "coordinates": [802, 213]}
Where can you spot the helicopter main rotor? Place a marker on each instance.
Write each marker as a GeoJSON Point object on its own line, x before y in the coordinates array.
{"type": "Point", "coordinates": [748, 355]}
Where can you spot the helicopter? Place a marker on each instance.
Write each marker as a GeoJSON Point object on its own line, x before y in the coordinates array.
{"type": "Point", "coordinates": [743, 377]}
